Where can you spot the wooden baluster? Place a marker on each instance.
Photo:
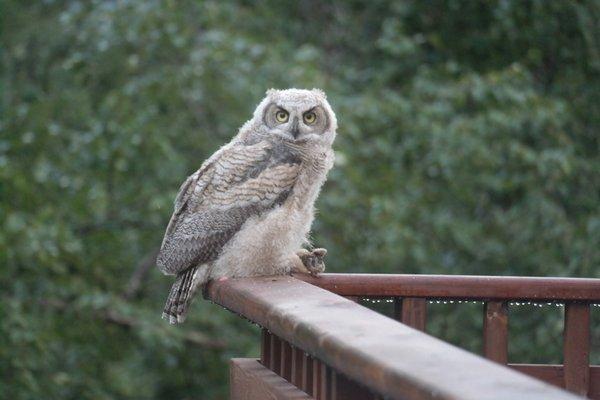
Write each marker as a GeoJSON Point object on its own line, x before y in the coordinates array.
{"type": "Point", "coordinates": [316, 392]}
{"type": "Point", "coordinates": [411, 311]}
{"type": "Point", "coordinates": [297, 367]}
{"type": "Point", "coordinates": [275, 361]}
{"type": "Point", "coordinates": [576, 348]}
{"type": "Point", "coordinates": [334, 386]}
{"type": "Point", "coordinates": [495, 331]}
{"type": "Point", "coordinates": [398, 309]}
{"type": "Point", "coordinates": [285, 369]}
{"type": "Point", "coordinates": [307, 373]}
{"type": "Point", "coordinates": [265, 348]}
{"type": "Point", "coordinates": [325, 382]}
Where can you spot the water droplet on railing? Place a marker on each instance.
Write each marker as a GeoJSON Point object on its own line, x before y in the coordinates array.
{"type": "Point", "coordinates": [535, 304]}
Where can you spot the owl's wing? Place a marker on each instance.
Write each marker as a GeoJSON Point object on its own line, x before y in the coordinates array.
{"type": "Point", "coordinates": [213, 203]}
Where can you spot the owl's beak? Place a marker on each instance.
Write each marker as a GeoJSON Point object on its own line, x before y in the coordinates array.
{"type": "Point", "coordinates": [295, 129]}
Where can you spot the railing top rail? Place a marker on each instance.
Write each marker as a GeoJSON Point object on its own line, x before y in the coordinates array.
{"type": "Point", "coordinates": [390, 358]}
{"type": "Point", "coordinates": [460, 286]}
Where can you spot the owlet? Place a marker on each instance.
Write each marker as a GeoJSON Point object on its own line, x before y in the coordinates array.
{"type": "Point", "coordinates": [248, 210]}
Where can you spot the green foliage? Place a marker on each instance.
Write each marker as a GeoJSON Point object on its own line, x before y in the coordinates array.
{"type": "Point", "coordinates": [468, 143]}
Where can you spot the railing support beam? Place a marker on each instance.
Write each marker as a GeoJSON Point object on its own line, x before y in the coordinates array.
{"type": "Point", "coordinates": [576, 347]}
{"type": "Point", "coordinates": [495, 331]}
{"type": "Point", "coordinates": [411, 311]}
{"type": "Point", "coordinates": [391, 359]}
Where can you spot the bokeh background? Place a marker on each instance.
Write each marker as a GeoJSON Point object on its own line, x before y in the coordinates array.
{"type": "Point", "coordinates": [469, 143]}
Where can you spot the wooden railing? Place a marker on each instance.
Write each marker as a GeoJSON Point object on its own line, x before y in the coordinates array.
{"type": "Point", "coordinates": [411, 293]}
{"type": "Point", "coordinates": [318, 345]}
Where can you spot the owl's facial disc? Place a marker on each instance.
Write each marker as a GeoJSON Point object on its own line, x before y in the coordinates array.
{"type": "Point", "coordinates": [297, 125]}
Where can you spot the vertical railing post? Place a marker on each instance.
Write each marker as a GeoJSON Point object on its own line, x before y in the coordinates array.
{"type": "Point", "coordinates": [297, 366]}
{"type": "Point", "coordinates": [275, 359]}
{"type": "Point", "coordinates": [495, 331]}
{"type": "Point", "coordinates": [335, 393]}
{"type": "Point", "coordinates": [576, 347]}
{"type": "Point", "coordinates": [316, 380]}
{"type": "Point", "coordinates": [326, 382]}
{"type": "Point", "coordinates": [285, 369]}
{"type": "Point", "coordinates": [307, 373]}
{"type": "Point", "coordinates": [265, 348]}
{"type": "Point", "coordinates": [411, 311]}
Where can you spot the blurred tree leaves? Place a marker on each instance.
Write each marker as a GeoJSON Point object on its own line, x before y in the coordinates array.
{"type": "Point", "coordinates": [468, 143]}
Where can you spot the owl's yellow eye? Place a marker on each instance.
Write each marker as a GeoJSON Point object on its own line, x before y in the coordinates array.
{"type": "Point", "coordinates": [310, 118]}
{"type": "Point", "coordinates": [281, 116]}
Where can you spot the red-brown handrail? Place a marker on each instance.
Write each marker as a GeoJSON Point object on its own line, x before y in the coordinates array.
{"type": "Point", "coordinates": [322, 343]}
{"type": "Point", "coordinates": [460, 287]}
{"type": "Point", "coordinates": [411, 292]}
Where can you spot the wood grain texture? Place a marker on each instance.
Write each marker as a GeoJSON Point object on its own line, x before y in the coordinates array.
{"type": "Point", "coordinates": [390, 358]}
{"type": "Point", "coordinates": [250, 380]}
{"type": "Point", "coordinates": [458, 286]}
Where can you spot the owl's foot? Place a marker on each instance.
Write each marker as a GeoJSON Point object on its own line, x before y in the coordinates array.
{"type": "Point", "coordinates": [313, 260]}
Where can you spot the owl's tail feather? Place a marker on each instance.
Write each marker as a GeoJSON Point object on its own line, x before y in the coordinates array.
{"type": "Point", "coordinates": [181, 295]}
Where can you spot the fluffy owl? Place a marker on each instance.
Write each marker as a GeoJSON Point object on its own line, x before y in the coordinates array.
{"type": "Point", "coordinates": [248, 210]}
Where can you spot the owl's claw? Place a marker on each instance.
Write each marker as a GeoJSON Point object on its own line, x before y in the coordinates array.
{"type": "Point", "coordinates": [313, 260]}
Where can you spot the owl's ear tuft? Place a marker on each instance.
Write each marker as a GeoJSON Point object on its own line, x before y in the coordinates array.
{"type": "Point", "coordinates": [319, 92]}
{"type": "Point", "coordinates": [271, 92]}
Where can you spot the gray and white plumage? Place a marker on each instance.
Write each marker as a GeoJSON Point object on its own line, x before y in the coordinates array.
{"type": "Point", "coordinates": [248, 210]}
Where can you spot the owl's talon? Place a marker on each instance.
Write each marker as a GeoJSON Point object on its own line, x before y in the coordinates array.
{"type": "Point", "coordinates": [320, 253]}
{"type": "Point", "coordinates": [313, 260]}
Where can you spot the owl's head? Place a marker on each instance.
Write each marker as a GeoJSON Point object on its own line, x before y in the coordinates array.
{"type": "Point", "coordinates": [297, 115]}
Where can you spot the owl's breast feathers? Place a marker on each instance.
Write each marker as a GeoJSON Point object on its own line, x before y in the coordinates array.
{"type": "Point", "coordinates": [238, 182]}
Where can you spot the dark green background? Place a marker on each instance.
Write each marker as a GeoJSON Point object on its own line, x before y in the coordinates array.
{"type": "Point", "coordinates": [468, 143]}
